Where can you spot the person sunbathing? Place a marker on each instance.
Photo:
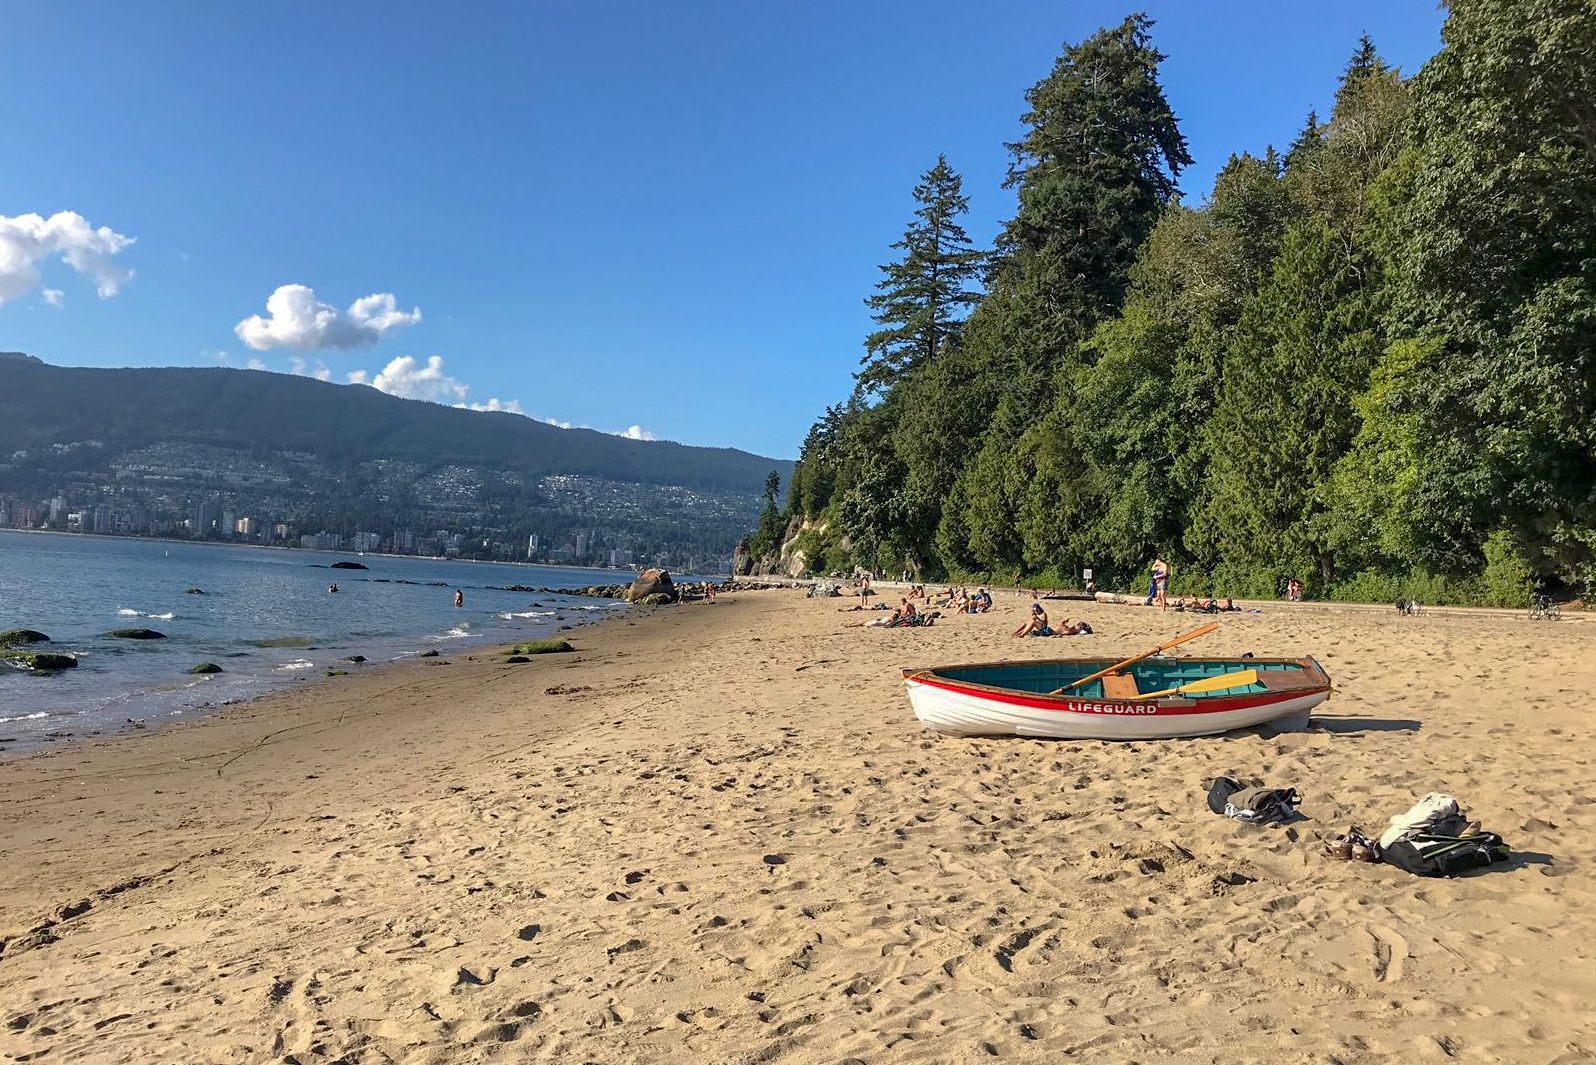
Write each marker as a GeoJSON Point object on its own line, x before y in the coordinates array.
{"type": "Point", "coordinates": [1036, 625]}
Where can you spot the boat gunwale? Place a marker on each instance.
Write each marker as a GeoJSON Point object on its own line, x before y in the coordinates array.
{"type": "Point", "coordinates": [932, 677]}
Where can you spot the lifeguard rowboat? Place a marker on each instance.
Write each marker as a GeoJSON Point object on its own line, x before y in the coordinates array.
{"type": "Point", "coordinates": [1016, 698]}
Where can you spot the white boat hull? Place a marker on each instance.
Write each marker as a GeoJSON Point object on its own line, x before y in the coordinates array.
{"type": "Point", "coordinates": [961, 713]}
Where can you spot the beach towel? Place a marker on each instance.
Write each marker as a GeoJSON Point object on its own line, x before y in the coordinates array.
{"type": "Point", "coordinates": [1443, 854]}
{"type": "Point", "coordinates": [1436, 812]}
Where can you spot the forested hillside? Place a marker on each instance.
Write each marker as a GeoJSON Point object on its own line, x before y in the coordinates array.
{"type": "Point", "coordinates": [1365, 358]}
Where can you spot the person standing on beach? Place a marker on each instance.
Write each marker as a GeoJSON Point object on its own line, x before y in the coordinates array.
{"type": "Point", "coordinates": [1161, 583]}
{"type": "Point", "coordinates": [459, 598]}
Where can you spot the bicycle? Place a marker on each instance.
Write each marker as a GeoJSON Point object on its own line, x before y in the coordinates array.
{"type": "Point", "coordinates": [1544, 608]}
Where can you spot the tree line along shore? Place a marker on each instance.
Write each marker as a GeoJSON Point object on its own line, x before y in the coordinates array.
{"type": "Point", "coordinates": [1362, 360]}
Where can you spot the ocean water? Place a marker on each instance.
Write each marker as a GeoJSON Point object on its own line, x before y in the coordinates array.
{"type": "Point", "coordinates": [266, 619]}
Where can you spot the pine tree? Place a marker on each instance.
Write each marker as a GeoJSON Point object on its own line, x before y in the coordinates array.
{"type": "Point", "coordinates": [1096, 166]}
{"type": "Point", "coordinates": [1308, 141]}
{"type": "Point", "coordinates": [1365, 63]}
{"type": "Point", "coordinates": [923, 297]}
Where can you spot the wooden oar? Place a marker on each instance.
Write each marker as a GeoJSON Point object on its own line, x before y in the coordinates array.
{"type": "Point", "coordinates": [1207, 684]}
{"type": "Point", "coordinates": [1133, 659]}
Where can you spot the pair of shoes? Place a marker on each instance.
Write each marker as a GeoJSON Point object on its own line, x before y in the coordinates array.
{"type": "Point", "coordinates": [1352, 846]}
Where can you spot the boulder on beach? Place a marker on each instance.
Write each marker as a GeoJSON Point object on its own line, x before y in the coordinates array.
{"type": "Point", "coordinates": [655, 599]}
{"type": "Point", "coordinates": [205, 667]}
{"type": "Point", "coordinates": [136, 634]}
{"type": "Point", "coordinates": [652, 582]}
{"type": "Point", "coordinates": [22, 637]}
{"type": "Point", "coordinates": [39, 661]}
{"type": "Point", "coordinates": [355, 658]}
{"type": "Point", "coordinates": [432, 653]}
{"type": "Point", "coordinates": [348, 565]}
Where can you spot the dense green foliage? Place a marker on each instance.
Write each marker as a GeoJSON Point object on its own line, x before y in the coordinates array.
{"type": "Point", "coordinates": [1368, 363]}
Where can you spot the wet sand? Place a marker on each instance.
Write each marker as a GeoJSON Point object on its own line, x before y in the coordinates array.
{"type": "Point", "coordinates": [717, 834]}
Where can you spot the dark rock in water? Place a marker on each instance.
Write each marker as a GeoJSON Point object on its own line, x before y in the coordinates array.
{"type": "Point", "coordinates": [136, 634]}
{"type": "Point", "coordinates": [193, 591]}
{"type": "Point", "coordinates": [205, 667]}
{"type": "Point", "coordinates": [437, 584]}
{"type": "Point", "coordinates": [428, 654]}
{"type": "Point", "coordinates": [516, 660]}
{"type": "Point", "coordinates": [521, 588]}
{"type": "Point", "coordinates": [39, 661]}
{"type": "Point", "coordinates": [355, 658]}
{"type": "Point", "coordinates": [21, 637]}
{"type": "Point", "coordinates": [349, 565]}
{"type": "Point", "coordinates": [652, 582]}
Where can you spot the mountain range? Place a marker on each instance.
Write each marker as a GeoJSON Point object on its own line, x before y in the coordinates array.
{"type": "Point", "coordinates": [293, 447]}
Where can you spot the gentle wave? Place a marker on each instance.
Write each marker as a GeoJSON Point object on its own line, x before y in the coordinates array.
{"type": "Point", "coordinates": [510, 615]}
{"type": "Point", "coordinates": [24, 717]}
{"type": "Point", "coordinates": [296, 665]}
{"type": "Point", "coordinates": [126, 613]}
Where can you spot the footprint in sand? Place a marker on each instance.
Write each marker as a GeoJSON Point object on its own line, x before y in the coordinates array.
{"type": "Point", "coordinates": [1390, 953]}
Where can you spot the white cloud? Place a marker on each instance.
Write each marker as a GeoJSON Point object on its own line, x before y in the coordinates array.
{"type": "Point", "coordinates": [409, 379]}
{"type": "Point", "coordinates": [255, 364]}
{"type": "Point", "coordinates": [510, 407]}
{"type": "Point", "coordinates": [406, 377]}
{"type": "Point", "coordinates": [556, 423]}
{"type": "Point", "coordinates": [296, 319]}
{"type": "Point", "coordinates": [300, 368]}
{"type": "Point", "coordinates": [636, 432]}
{"type": "Point", "coordinates": [53, 296]}
{"type": "Point", "coordinates": [27, 238]}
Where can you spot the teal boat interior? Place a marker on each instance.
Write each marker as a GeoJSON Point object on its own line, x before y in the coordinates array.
{"type": "Point", "coordinates": [1152, 674]}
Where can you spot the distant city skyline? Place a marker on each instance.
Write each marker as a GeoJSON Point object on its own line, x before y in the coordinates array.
{"type": "Point", "coordinates": [666, 231]}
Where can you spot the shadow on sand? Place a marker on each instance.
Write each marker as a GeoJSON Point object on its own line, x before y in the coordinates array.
{"type": "Point", "coordinates": [1343, 725]}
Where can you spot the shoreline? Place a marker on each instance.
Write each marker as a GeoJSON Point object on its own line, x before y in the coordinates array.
{"type": "Point", "coordinates": [716, 833]}
{"type": "Point", "coordinates": [119, 538]}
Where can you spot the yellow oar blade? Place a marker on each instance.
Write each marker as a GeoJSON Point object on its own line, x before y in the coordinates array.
{"type": "Point", "coordinates": [1239, 679]}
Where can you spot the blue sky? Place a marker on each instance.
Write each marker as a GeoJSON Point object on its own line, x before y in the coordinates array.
{"type": "Point", "coordinates": [655, 216]}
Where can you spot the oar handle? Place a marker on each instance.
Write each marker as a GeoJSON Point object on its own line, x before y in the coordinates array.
{"type": "Point", "coordinates": [1203, 630]}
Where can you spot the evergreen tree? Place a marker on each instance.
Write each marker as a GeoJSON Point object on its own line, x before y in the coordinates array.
{"type": "Point", "coordinates": [1301, 358]}
{"type": "Point", "coordinates": [1308, 141]}
{"type": "Point", "coordinates": [923, 297]}
{"type": "Point", "coordinates": [1491, 249]}
{"type": "Point", "coordinates": [1097, 164]}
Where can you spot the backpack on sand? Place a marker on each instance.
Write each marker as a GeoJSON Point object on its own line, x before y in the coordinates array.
{"type": "Point", "coordinates": [1436, 812]}
{"type": "Point", "coordinates": [1252, 805]}
{"type": "Point", "coordinates": [1434, 854]}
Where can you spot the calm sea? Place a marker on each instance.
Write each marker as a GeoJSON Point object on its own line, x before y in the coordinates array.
{"type": "Point", "coordinates": [266, 618]}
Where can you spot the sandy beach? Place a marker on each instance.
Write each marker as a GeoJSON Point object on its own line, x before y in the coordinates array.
{"type": "Point", "coordinates": [716, 833]}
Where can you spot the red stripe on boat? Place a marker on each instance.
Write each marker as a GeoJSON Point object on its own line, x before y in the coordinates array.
{"type": "Point", "coordinates": [1118, 707]}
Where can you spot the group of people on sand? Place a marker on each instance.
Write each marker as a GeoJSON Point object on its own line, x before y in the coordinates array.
{"type": "Point", "coordinates": [1199, 605]}
{"type": "Point", "coordinates": [1038, 625]}
{"type": "Point", "coordinates": [906, 615]}
{"type": "Point", "coordinates": [960, 600]}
